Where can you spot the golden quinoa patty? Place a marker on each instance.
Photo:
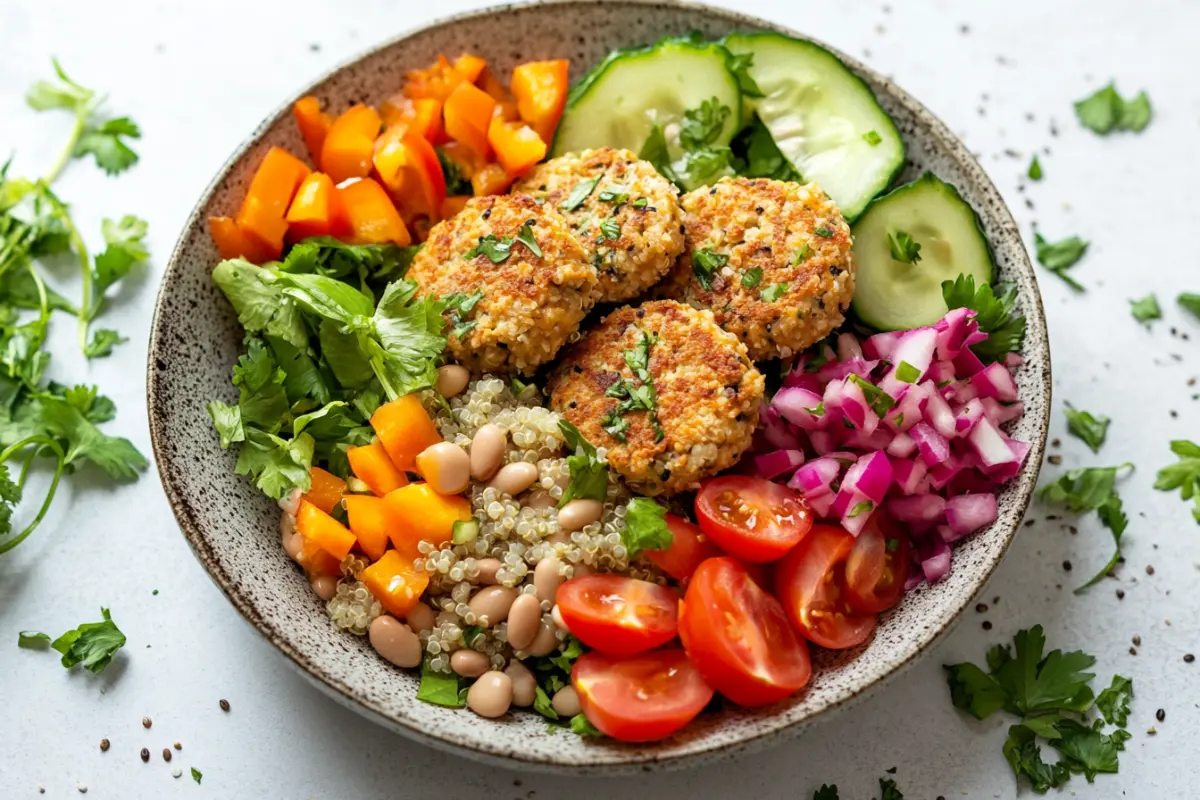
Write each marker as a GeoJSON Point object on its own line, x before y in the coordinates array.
{"type": "Point", "coordinates": [629, 222]}
{"type": "Point", "coordinates": [707, 395]}
{"type": "Point", "coordinates": [776, 257]}
{"type": "Point", "coordinates": [531, 304]}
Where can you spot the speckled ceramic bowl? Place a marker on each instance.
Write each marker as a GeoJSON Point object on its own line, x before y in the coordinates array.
{"type": "Point", "coordinates": [234, 529]}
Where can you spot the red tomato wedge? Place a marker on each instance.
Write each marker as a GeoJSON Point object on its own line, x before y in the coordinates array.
{"type": "Point", "coordinates": [877, 566]}
{"type": "Point", "coordinates": [752, 518]}
{"type": "Point", "coordinates": [618, 615]}
{"type": "Point", "coordinates": [811, 583]}
{"type": "Point", "coordinates": [739, 637]}
{"type": "Point", "coordinates": [689, 549]}
{"type": "Point", "coordinates": [640, 698]}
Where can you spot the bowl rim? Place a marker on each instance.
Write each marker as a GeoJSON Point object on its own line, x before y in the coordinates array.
{"type": "Point", "coordinates": [191, 526]}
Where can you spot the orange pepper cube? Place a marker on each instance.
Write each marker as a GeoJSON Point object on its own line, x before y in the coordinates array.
{"type": "Point", "coordinates": [313, 123]}
{"type": "Point", "coordinates": [492, 179]}
{"type": "Point", "coordinates": [316, 561]}
{"type": "Point", "coordinates": [373, 466]}
{"type": "Point", "coordinates": [370, 523]}
{"type": "Point", "coordinates": [467, 113]}
{"type": "Point", "coordinates": [469, 66]}
{"type": "Point", "coordinates": [541, 91]}
{"type": "Point", "coordinates": [232, 242]}
{"type": "Point", "coordinates": [395, 583]}
{"type": "Point", "coordinates": [517, 146]}
{"type": "Point", "coordinates": [372, 214]}
{"type": "Point", "coordinates": [405, 429]}
{"type": "Point", "coordinates": [323, 530]}
{"type": "Point", "coordinates": [420, 514]}
{"type": "Point", "coordinates": [269, 195]}
{"type": "Point", "coordinates": [350, 143]}
{"type": "Point", "coordinates": [316, 210]}
{"type": "Point", "coordinates": [325, 490]}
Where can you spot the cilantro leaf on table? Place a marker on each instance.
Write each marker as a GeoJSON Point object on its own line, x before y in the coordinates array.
{"type": "Point", "coordinates": [106, 142]}
{"type": "Point", "coordinates": [92, 644]}
{"type": "Point", "coordinates": [1023, 754]}
{"type": "Point", "coordinates": [1035, 684]}
{"type": "Point", "coordinates": [1105, 111]}
{"type": "Point", "coordinates": [1183, 475]}
{"type": "Point", "coordinates": [1084, 489]}
{"type": "Point", "coordinates": [826, 792]}
{"type": "Point", "coordinates": [995, 313]}
{"type": "Point", "coordinates": [1145, 309]}
{"type": "Point", "coordinates": [197, 775]}
{"type": "Point", "coordinates": [125, 248]}
{"type": "Point", "coordinates": [1113, 702]}
{"type": "Point", "coordinates": [645, 527]}
{"type": "Point", "coordinates": [1060, 256]}
{"type": "Point", "coordinates": [974, 690]}
{"type": "Point", "coordinates": [1084, 749]}
{"type": "Point", "coordinates": [1090, 429]}
{"type": "Point", "coordinates": [1190, 302]}
{"type": "Point", "coordinates": [1035, 169]}
{"type": "Point", "coordinates": [589, 475]}
{"type": "Point", "coordinates": [102, 343]}
{"type": "Point", "coordinates": [33, 640]}
{"type": "Point", "coordinates": [888, 790]}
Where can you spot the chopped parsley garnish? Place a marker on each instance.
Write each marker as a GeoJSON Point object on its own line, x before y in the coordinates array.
{"type": "Point", "coordinates": [773, 292]}
{"type": "Point", "coordinates": [92, 644]}
{"type": "Point", "coordinates": [1106, 111]}
{"type": "Point", "coordinates": [752, 277]}
{"type": "Point", "coordinates": [864, 507]}
{"type": "Point", "coordinates": [907, 373]}
{"type": "Point", "coordinates": [904, 248]}
{"type": "Point", "coordinates": [580, 726]}
{"type": "Point", "coordinates": [525, 237]}
{"type": "Point", "coordinates": [739, 67]}
{"type": "Point", "coordinates": [498, 249]}
{"type": "Point", "coordinates": [197, 775]}
{"type": "Point", "coordinates": [1146, 309]}
{"type": "Point", "coordinates": [1052, 695]}
{"type": "Point", "coordinates": [579, 193]}
{"type": "Point", "coordinates": [1035, 169]}
{"type": "Point", "coordinates": [616, 194]}
{"type": "Point", "coordinates": [33, 640]}
{"type": "Point", "coordinates": [1183, 475]}
{"type": "Point", "coordinates": [888, 790]}
{"type": "Point", "coordinates": [589, 475]}
{"type": "Point", "coordinates": [1060, 256]}
{"type": "Point", "coordinates": [995, 313]}
{"type": "Point", "coordinates": [705, 264]}
{"type": "Point", "coordinates": [802, 254]}
{"type": "Point", "coordinates": [641, 202]}
{"type": "Point", "coordinates": [439, 688]}
{"type": "Point", "coordinates": [880, 401]}
{"type": "Point", "coordinates": [702, 125]}
{"type": "Point", "coordinates": [610, 230]}
{"type": "Point", "coordinates": [634, 396]}
{"type": "Point", "coordinates": [872, 138]}
{"type": "Point", "coordinates": [1090, 429]}
{"type": "Point", "coordinates": [1092, 489]}
{"type": "Point", "coordinates": [645, 527]}
{"type": "Point", "coordinates": [823, 232]}
{"type": "Point", "coordinates": [1190, 303]}
{"type": "Point", "coordinates": [757, 156]}
{"type": "Point", "coordinates": [458, 308]}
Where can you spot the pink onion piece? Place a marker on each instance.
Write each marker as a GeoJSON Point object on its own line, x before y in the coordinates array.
{"type": "Point", "coordinates": [968, 513]}
{"type": "Point", "coordinates": [848, 348]}
{"type": "Point", "coordinates": [778, 462]}
{"type": "Point", "coordinates": [914, 348]}
{"type": "Point", "coordinates": [941, 372]}
{"type": "Point", "coordinates": [966, 416]}
{"type": "Point", "coordinates": [937, 412]}
{"type": "Point", "coordinates": [1000, 413]}
{"type": "Point", "coordinates": [966, 363]}
{"type": "Point", "coordinates": [822, 506]}
{"type": "Point", "coordinates": [1013, 360]}
{"type": "Point", "coordinates": [990, 444]}
{"type": "Point", "coordinates": [856, 409]}
{"type": "Point", "coordinates": [793, 404]}
{"type": "Point", "coordinates": [941, 474]}
{"type": "Point", "coordinates": [953, 330]}
{"type": "Point", "coordinates": [823, 442]}
{"type": "Point", "coordinates": [881, 345]}
{"type": "Point", "coordinates": [995, 381]}
{"type": "Point", "coordinates": [835, 370]}
{"type": "Point", "coordinates": [917, 508]}
{"type": "Point", "coordinates": [871, 476]}
{"type": "Point", "coordinates": [814, 479]}
{"type": "Point", "coordinates": [1008, 471]}
{"type": "Point", "coordinates": [908, 474]}
{"type": "Point", "coordinates": [907, 412]}
{"type": "Point", "coordinates": [935, 561]}
{"type": "Point", "coordinates": [857, 440]}
{"type": "Point", "coordinates": [932, 446]}
{"type": "Point", "coordinates": [901, 446]}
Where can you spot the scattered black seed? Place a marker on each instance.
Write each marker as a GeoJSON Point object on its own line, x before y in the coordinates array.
{"type": "Point", "coordinates": [1029, 116]}
{"type": "Point", "coordinates": [147, 722]}
{"type": "Point", "coordinates": [1120, 594]}
{"type": "Point", "coordinates": [224, 704]}
{"type": "Point", "coordinates": [145, 754]}
{"type": "Point", "coordinates": [1029, 523]}
{"type": "Point", "coordinates": [996, 600]}
{"type": "Point", "coordinates": [1055, 460]}
{"type": "Point", "coordinates": [1174, 414]}
{"type": "Point", "coordinates": [964, 29]}
{"type": "Point", "coordinates": [1073, 529]}
{"type": "Point", "coordinates": [1160, 715]}
{"type": "Point", "coordinates": [1149, 570]}
{"type": "Point", "coordinates": [166, 754]}
{"type": "Point", "coordinates": [104, 745]}
{"type": "Point", "coordinates": [178, 745]}
{"type": "Point", "coordinates": [987, 625]}
{"type": "Point", "coordinates": [316, 48]}
{"type": "Point", "coordinates": [1051, 517]}
{"type": "Point", "coordinates": [1010, 152]}
{"type": "Point", "coordinates": [1067, 566]}
{"type": "Point", "coordinates": [1188, 658]}
{"type": "Point", "coordinates": [1133, 651]}
{"type": "Point", "coordinates": [981, 608]}
{"type": "Point", "coordinates": [1137, 640]}
{"type": "Point", "coordinates": [1056, 442]}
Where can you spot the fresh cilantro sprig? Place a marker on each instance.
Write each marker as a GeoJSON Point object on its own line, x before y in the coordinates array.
{"type": "Point", "coordinates": [705, 263]}
{"type": "Point", "coordinates": [589, 475]}
{"type": "Point", "coordinates": [1190, 302]}
{"type": "Point", "coordinates": [826, 792]}
{"type": "Point", "coordinates": [995, 313]}
{"type": "Point", "coordinates": [635, 395]}
{"type": "Point", "coordinates": [1060, 256]}
{"type": "Point", "coordinates": [1091, 430]}
{"type": "Point", "coordinates": [739, 66]}
{"type": "Point", "coordinates": [755, 154]}
{"type": "Point", "coordinates": [645, 527]}
{"type": "Point", "coordinates": [695, 159]}
{"type": "Point", "coordinates": [92, 644]}
{"type": "Point", "coordinates": [498, 249]}
{"type": "Point", "coordinates": [1092, 489]}
{"type": "Point", "coordinates": [1105, 111]}
{"type": "Point", "coordinates": [1146, 309]}
{"type": "Point", "coordinates": [579, 193]}
{"type": "Point", "coordinates": [1183, 475]}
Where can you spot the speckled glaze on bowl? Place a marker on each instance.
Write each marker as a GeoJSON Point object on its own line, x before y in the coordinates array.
{"type": "Point", "coordinates": [234, 530]}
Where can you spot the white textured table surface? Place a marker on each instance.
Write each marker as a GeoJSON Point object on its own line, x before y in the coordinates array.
{"type": "Point", "coordinates": [199, 76]}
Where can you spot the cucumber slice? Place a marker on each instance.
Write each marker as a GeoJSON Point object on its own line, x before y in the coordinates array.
{"type": "Point", "coordinates": [894, 295]}
{"type": "Point", "coordinates": [821, 116]}
{"type": "Point", "coordinates": [623, 98]}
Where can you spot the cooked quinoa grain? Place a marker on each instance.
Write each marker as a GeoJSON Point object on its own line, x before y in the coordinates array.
{"type": "Point", "coordinates": [707, 395]}
{"type": "Point", "coordinates": [627, 197]}
{"type": "Point", "coordinates": [530, 305]}
{"type": "Point", "coordinates": [777, 258]}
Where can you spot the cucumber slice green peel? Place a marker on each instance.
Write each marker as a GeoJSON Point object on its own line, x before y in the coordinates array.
{"type": "Point", "coordinates": [823, 117]}
{"type": "Point", "coordinates": [892, 293]}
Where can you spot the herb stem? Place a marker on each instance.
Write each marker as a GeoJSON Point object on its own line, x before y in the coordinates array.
{"type": "Point", "coordinates": [39, 441]}
{"type": "Point", "coordinates": [81, 118]}
{"type": "Point", "coordinates": [80, 247]}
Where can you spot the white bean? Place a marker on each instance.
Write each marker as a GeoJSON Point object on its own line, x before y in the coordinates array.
{"type": "Point", "coordinates": [491, 695]}
{"type": "Point", "coordinates": [395, 641]}
{"type": "Point", "coordinates": [325, 586]}
{"type": "Point", "coordinates": [524, 619]}
{"type": "Point", "coordinates": [445, 467]}
{"type": "Point", "coordinates": [492, 602]}
{"type": "Point", "coordinates": [487, 451]}
{"type": "Point", "coordinates": [290, 503]}
{"type": "Point", "coordinates": [514, 478]}
{"type": "Point", "coordinates": [566, 702]}
{"type": "Point", "coordinates": [582, 570]}
{"type": "Point", "coordinates": [524, 685]}
{"type": "Point", "coordinates": [578, 514]}
{"type": "Point", "coordinates": [559, 622]}
{"type": "Point", "coordinates": [540, 500]}
{"type": "Point", "coordinates": [451, 380]}
{"type": "Point", "coordinates": [469, 663]}
{"type": "Point", "coordinates": [488, 567]}
{"type": "Point", "coordinates": [545, 642]}
{"type": "Point", "coordinates": [292, 540]}
{"type": "Point", "coordinates": [421, 618]}
{"type": "Point", "coordinates": [546, 578]}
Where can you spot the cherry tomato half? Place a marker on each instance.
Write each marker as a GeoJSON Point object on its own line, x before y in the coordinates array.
{"type": "Point", "coordinates": [811, 583]}
{"type": "Point", "coordinates": [639, 698]}
{"type": "Point", "coordinates": [689, 548]}
{"type": "Point", "coordinates": [877, 566]}
{"type": "Point", "coordinates": [739, 637]}
{"type": "Point", "coordinates": [752, 518]}
{"type": "Point", "coordinates": [618, 615]}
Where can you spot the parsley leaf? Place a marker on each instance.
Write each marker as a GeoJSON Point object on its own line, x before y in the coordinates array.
{"type": "Point", "coordinates": [702, 125]}
{"type": "Point", "coordinates": [1183, 475]}
{"type": "Point", "coordinates": [1035, 169]}
{"type": "Point", "coordinates": [581, 726]}
{"type": "Point", "coordinates": [888, 790]}
{"type": "Point", "coordinates": [589, 476]}
{"type": "Point", "coordinates": [1190, 302]}
{"type": "Point", "coordinates": [102, 343]}
{"type": "Point", "coordinates": [773, 292]}
{"type": "Point", "coordinates": [826, 792]}
{"type": "Point", "coordinates": [974, 690]}
{"type": "Point", "coordinates": [610, 230]}
{"type": "Point", "coordinates": [439, 688]}
{"type": "Point", "coordinates": [1105, 111]}
{"type": "Point", "coordinates": [276, 465]}
{"type": "Point", "coordinates": [903, 247]}
{"type": "Point", "coordinates": [1145, 309]}
{"type": "Point", "coordinates": [872, 138]}
{"type": "Point", "coordinates": [1084, 749]}
{"type": "Point", "coordinates": [580, 192]}
{"type": "Point", "coordinates": [496, 249]}
{"type": "Point", "coordinates": [655, 151]}
{"type": "Point", "coordinates": [755, 154]}
{"type": "Point", "coordinates": [1060, 256]}
{"type": "Point", "coordinates": [1084, 489]}
{"type": "Point", "coordinates": [1025, 757]}
{"type": "Point", "coordinates": [615, 194]}
{"type": "Point", "coordinates": [525, 237]}
{"type": "Point", "coordinates": [645, 527]}
{"type": "Point", "coordinates": [739, 67]}
{"type": "Point", "coordinates": [752, 277]}
{"type": "Point", "coordinates": [458, 308]}
{"type": "Point", "coordinates": [705, 264]}
{"type": "Point", "coordinates": [1035, 684]}
{"type": "Point", "coordinates": [1091, 429]}
{"type": "Point", "coordinates": [33, 640]}
{"type": "Point", "coordinates": [197, 775]}
{"type": "Point", "coordinates": [92, 644]}
{"type": "Point", "coordinates": [1113, 702]}
{"type": "Point", "coordinates": [1112, 516]}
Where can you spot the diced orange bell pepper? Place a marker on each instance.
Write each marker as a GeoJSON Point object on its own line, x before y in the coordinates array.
{"type": "Point", "coordinates": [350, 143]}
{"type": "Point", "coordinates": [323, 530]}
{"type": "Point", "coordinates": [422, 115]}
{"type": "Point", "coordinates": [370, 523]}
{"type": "Point", "coordinates": [313, 123]}
{"type": "Point", "coordinates": [470, 66]}
{"type": "Point", "coordinates": [419, 514]}
{"type": "Point", "coordinates": [436, 82]}
{"type": "Point", "coordinates": [372, 214]}
{"type": "Point", "coordinates": [232, 242]}
{"type": "Point", "coordinates": [316, 210]}
{"type": "Point", "coordinates": [405, 429]}
{"type": "Point", "coordinates": [409, 167]}
{"type": "Point", "coordinates": [467, 114]}
{"type": "Point", "coordinates": [326, 489]}
{"type": "Point", "coordinates": [541, 91]}
{"type": "Point", "coordinates": [452, 205]}
{"type": "Point", "coordinates": [373, 466]}
{"type": "Point", "coordinates": [316, 561]}
{"type": "Point", "coordinates": [395, 582]}
{"type": "Point", "coordinates": [492, 179]}
{"type": "Point", "coordinates": [269, 195]}
{"type": "Point", "coordinates": [516, 145]}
